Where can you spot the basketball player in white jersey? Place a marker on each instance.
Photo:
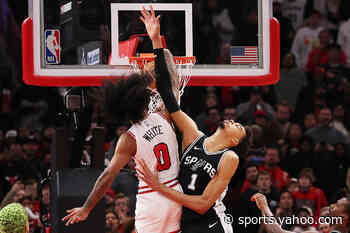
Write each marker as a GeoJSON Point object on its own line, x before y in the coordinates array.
{"type": "Point", "coordinates": [151, 138]}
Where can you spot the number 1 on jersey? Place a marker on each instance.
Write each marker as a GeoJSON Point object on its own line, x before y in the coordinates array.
{"type": "Point", "coordinates": [162, 154]}
{"type": "Point", "coordinates": [192, 185]}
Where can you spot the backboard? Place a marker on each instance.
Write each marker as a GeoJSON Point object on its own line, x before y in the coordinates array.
{"type": "Point", "coordinates": [82, 42]}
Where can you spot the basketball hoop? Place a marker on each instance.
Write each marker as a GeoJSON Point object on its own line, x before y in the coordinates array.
{"type": "Point", "coordinates": [183, 67]}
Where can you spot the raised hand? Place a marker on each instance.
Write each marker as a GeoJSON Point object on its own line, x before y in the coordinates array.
{"type": "Point", "coordinates": [151, 23]}
{"type": "Point", "coordinates": [76, 215]}
{"type": "Point", "coordinates": [145, 174]}
{"type": "Point", "coordinates": [260, 200]}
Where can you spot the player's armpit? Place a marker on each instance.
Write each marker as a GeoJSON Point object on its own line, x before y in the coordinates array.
{"type": "Point", "coordinates": [227, 168]}
{"type": "Point", "coordinates": [124, 150]}
{"type": "Point", "coordinates": [186, 126]}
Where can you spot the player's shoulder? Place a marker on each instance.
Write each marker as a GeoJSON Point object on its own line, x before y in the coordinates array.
{"type": "Point", "coordinates": [231, 155]}
{"type": "Point", "coordinates": [229, 158]}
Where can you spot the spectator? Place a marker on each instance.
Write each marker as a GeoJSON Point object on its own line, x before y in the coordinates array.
{"type": "Point", "coordinates": [33, 215]}
{"type": "Point", "coordinates": [31, 190]}
{"type": "Point", "coordinates": [109, 198]}
{"type": "Point", "coordinates": [126, 182]}
{"type": "Point", "coordinates": [271, 130]}
{"type": "Point", "coordinates": [250, 177]}
{"type": "Point", "coordinates": [294, 11]}
{"type": "Point", "coordinates": [248, 208]}
{"type": "Point", "coordinates": [229, 113]}
{"type": "Point", "coordinates": [343, 191]}
{"type": "Point", "coordinates": [279, 177]}
{"type": "Point", "coordinates": [344, 38]}
{"type": "Point", "coordinates": [286, 208]}
{"type": "Point", "coordinates": [306, 39]}
{"type": "Point", "coordinates": [33, 168]}
{"type": "Point", "coordinates": [119, 130]}
{"type": "Point", "coordinates": [292, 80]}
{"type": "Point", "coordinates": [112, 222]}
{"type": "Point", "coordinates": [310, 100]}
{"type": "Point", "coordinates": [293, 185]}
{"type": "Point", "coordinates": [220, 20]}
{"type": "Point", "coordinates": [324, 227]}
{"type": "Point", "coordinates": [339, 121]}
{"type": "Point", "coordinates": [300, 158]}
{"type": "Point", "coordinates": [309, 121]}
{"type": "Point", "coordinates": [293, 137]}
{"type": "Point", "coordinates": [308, 195]}
{"type": "Point", "coordinates": [291, 145]}
{"type": "Point", "coordinates": [210, 101]}
{"type": "Point", "coordinates": [287, 30]}
{"type": "Point", "coordinates": [324, 132]}
{"type": "Point", "coordinates": [213, 120]}
{"type": "Point", "coordinates": [14, 163]}
{"type": "Point", "coordinates": [245, 111]}
{"type": "Point", "coordinates": [320, 55]}
{"type": "Point", "coordinates": [45, 206]}
{"type": "Point", "coordinates": [303, 212]}
{"type": "Point", "coordinates": [283, 116]}
{"type": "Point", "coordinates": [260, 117]}
{"type": "Point", "coordinates": [336, 159]}
{"type": "Point", "coordinates": [122, 208]}
{"type": "Point", "coordinates": [14, 195]}
{"type": "Point", "coordinates": [247, 29]}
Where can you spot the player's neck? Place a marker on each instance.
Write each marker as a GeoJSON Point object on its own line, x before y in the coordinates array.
{"type": "Point", "coordinates": [211, 143]}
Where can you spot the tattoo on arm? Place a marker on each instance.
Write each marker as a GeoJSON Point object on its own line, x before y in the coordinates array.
{"type": "Point", "coordinates": [101, 186]}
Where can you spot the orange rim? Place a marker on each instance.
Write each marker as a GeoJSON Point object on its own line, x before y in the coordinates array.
{"type": "Point", "coordinates": [178, 60]}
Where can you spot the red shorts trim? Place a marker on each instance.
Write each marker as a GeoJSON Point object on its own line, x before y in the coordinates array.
{"type": "Point", "coordinates": [167, 182]}
{"type": "Point", "coordinates": [149, 191]}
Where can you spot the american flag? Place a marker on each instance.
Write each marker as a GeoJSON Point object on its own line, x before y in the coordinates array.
{"type": "Point", "coordinates": [244, 55]}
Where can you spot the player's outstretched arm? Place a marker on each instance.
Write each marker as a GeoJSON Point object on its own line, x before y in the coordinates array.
{"type": "Point", "coordinates": [271, 226]}
{"type": "Point", "coordinates": [125, 148]}
{"type": "Point", "coordinates": [185, 124]}
{"type": "Point", "coordinates": [198, 203]}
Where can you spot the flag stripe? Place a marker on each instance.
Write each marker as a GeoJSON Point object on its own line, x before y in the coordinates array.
{"type": "Point", "coordinates": [244, 55]}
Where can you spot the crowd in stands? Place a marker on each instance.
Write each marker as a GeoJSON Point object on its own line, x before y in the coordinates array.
{"type": "Point", "coordinates": [300, 154]}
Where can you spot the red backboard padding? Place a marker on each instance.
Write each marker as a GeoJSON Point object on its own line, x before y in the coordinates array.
{"type": "Point", "coordinates": [30, 78]}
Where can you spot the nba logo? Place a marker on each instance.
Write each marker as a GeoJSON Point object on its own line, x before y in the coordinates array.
{"type": "Point", "coordinates": [52, 47]}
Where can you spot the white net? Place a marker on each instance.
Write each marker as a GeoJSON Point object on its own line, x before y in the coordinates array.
{"type": "Point", "coordinates": [184, 71]}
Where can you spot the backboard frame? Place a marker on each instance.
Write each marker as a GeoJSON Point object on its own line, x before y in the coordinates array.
{"type": "Point", "coordinates": [34, 72]}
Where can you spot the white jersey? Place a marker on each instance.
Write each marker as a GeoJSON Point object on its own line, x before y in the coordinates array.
{"type": "Point", "coordinates": [157, 145]}
{"type": "Point", "coordinates": [304, 42]}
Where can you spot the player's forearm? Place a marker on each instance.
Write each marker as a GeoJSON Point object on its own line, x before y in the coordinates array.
{"type": "Point", "coordinates": [163, 82]}
{"type": "Point", "coordinates": [101, 186]}
{"type": "Point", "coordinates": [272, 226]}
{"type": "Point", "coordinates": [193, 202]}
{"type": "Point", "coordinates": [157, 42]}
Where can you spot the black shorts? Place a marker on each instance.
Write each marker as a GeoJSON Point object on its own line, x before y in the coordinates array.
{"type": "Point", "coordinates": [205, 226]}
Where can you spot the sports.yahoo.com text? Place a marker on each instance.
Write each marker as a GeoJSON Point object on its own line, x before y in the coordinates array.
{"type": "Point", "coordinates": [292, 220]}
